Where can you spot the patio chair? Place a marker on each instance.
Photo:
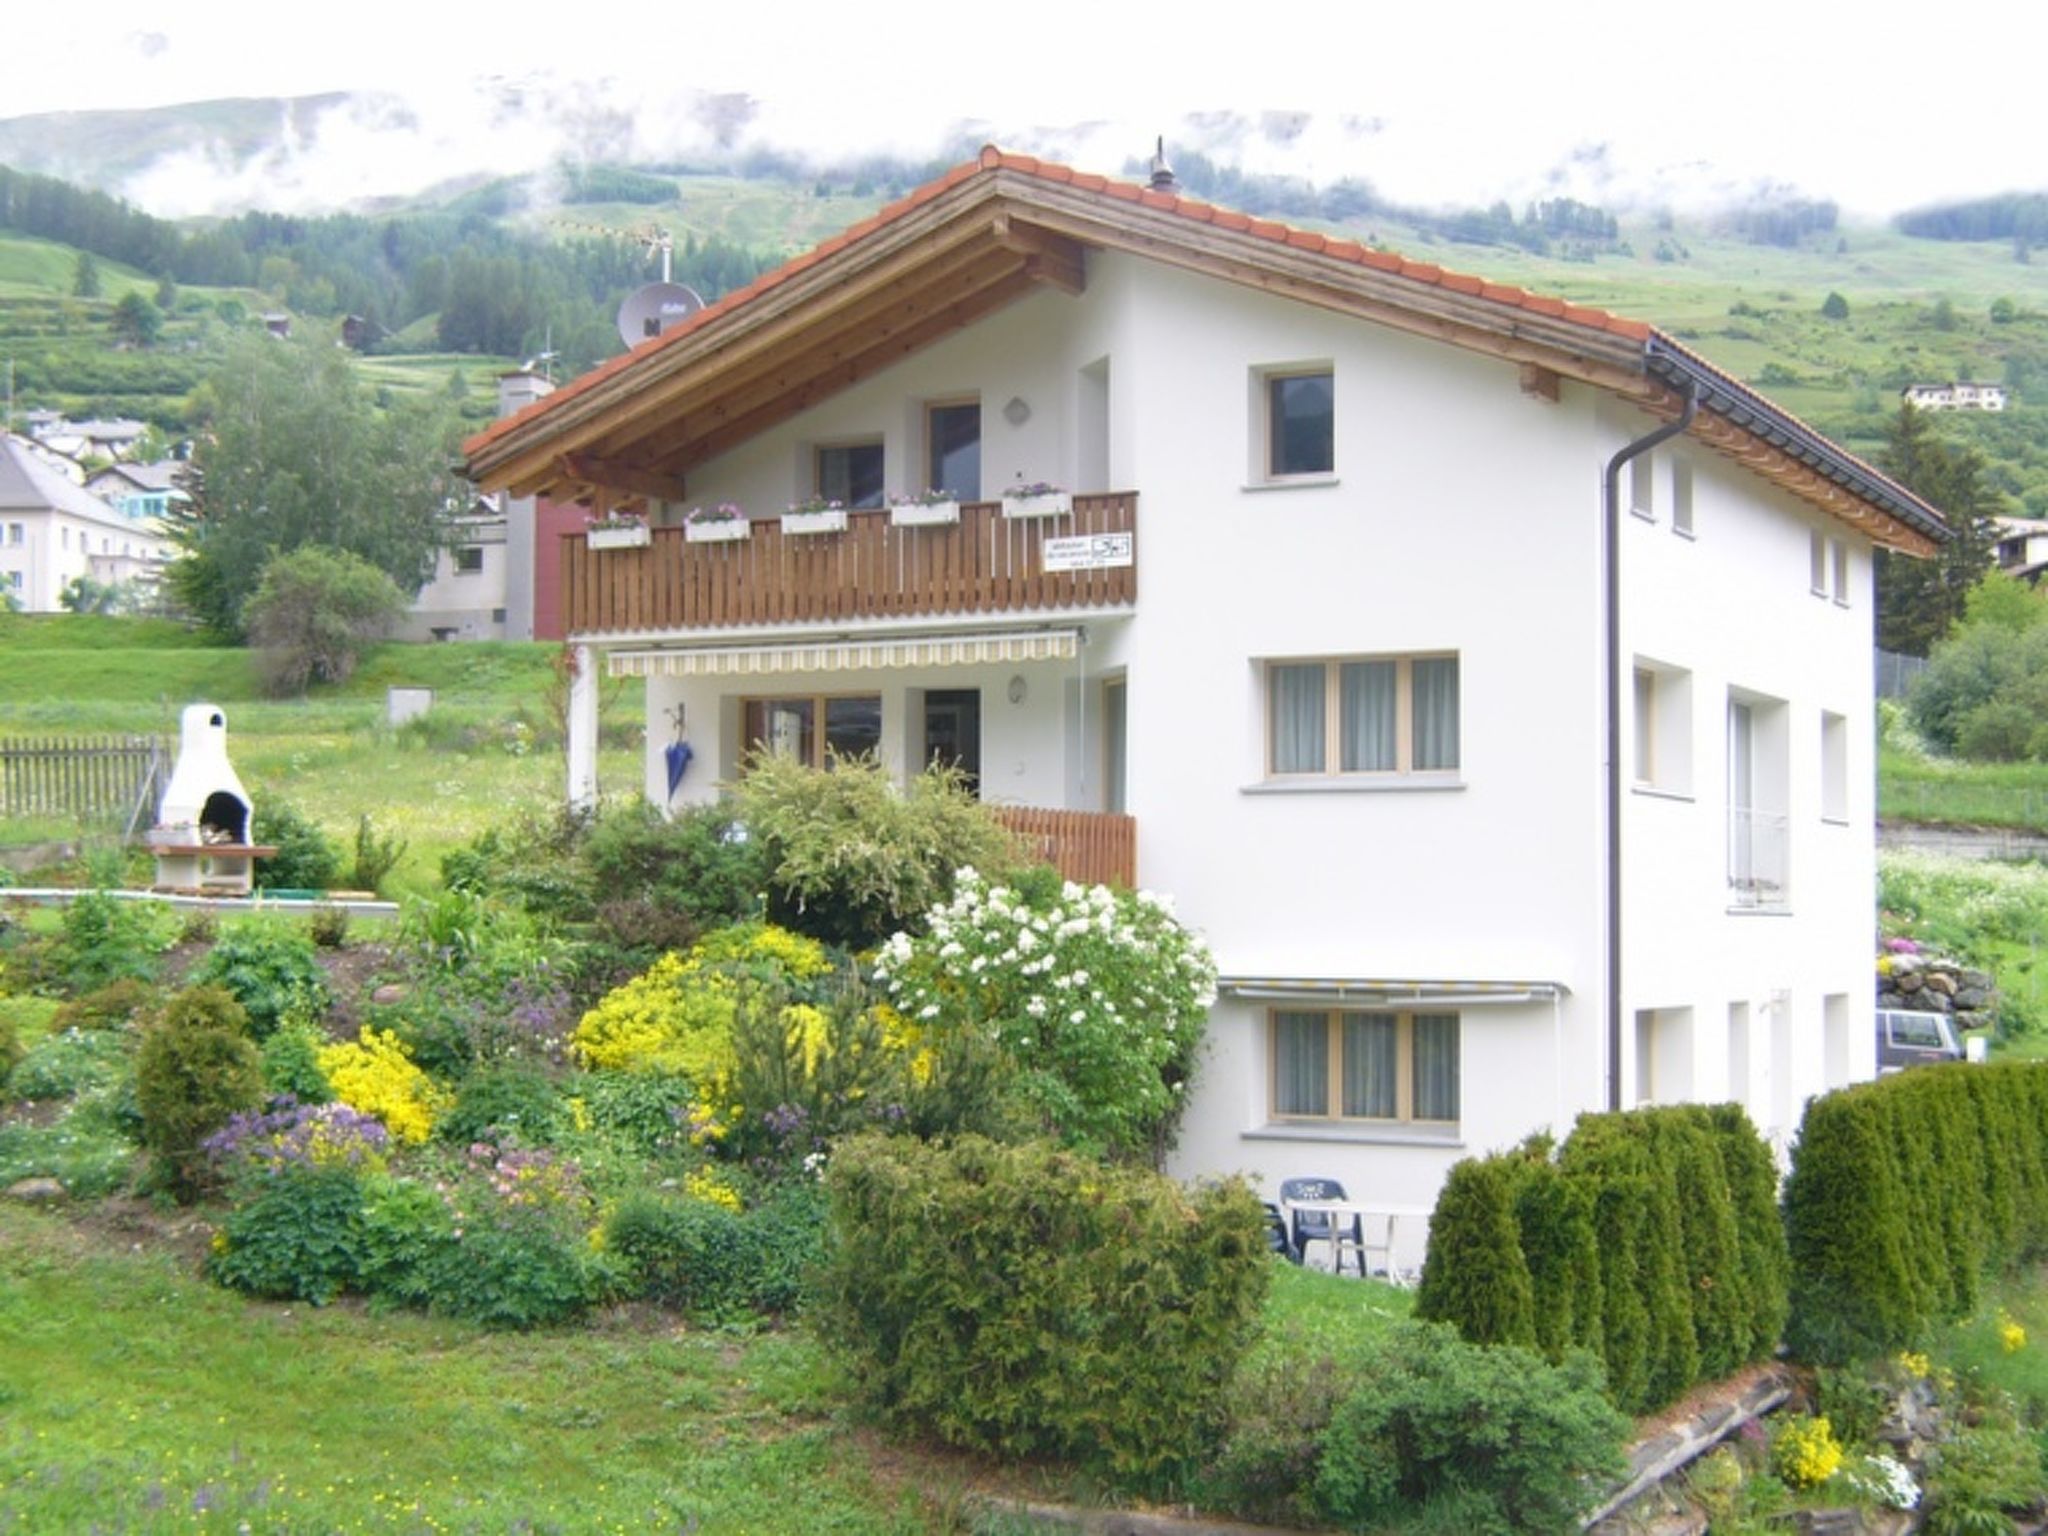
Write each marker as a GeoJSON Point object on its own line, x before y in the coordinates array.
{"type": "Point", "coordinates": [1341, 1233]}
{"type": "Point", "coordinates": [1276, 1234]}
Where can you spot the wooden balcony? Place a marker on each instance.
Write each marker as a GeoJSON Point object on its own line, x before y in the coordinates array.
{"type": "Point", "coordinates": [1089, 847]}
{"type": "Point", "coordinates": [984, 564]}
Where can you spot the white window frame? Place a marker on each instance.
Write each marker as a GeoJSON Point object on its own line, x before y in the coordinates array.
{"type": "Point", "coordinates": [927, 442]}
{"type": "Point", "coordinates": [1263, 379]}
{"type": "Point", "coordinates": [1834, 768]}
{"type": "Point", "coordinates": [466, 560]}
{"type": "Point", "coordinates": [1681, 497]}
{"type": "Point", "coordinates": [849, 445]}
{"type": "Point", "coordinates": [1642, 486]}
{"type": "Point", "coordinates": [1405, 1021]}
{"type": "Point", "coordinates": [1662, 716]}
{"type": "Point", "coordinates": [1332, 770]}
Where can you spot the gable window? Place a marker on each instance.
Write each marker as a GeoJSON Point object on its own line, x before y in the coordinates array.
{"type": "Point", "coordinates": [469, 559]}
{"type": "Point", "coordinates": [1342, 1065]}
{"type": "Point", "coordinates": [813, 728]}
{"type": "Point", "coordinates": [1362, 715]}
{"type": "Point", "coordinates": [1298, 418]}
{"type": "Point", "coordinates": [952, 437]}
{"type": "Point", "coordinates": [849, 473]}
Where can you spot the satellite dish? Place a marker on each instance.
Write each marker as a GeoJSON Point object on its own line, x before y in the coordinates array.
{"type": "Point", "coordinates": [653, 309]}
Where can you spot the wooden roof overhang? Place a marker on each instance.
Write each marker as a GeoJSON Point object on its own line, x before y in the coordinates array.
{"type": "Point", "coordinates": [993, 231]}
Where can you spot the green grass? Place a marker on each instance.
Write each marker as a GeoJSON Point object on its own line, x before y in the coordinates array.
{"type": "Point", "coordinates": [1916, 788]}
{"type": "Point", "coordinates": [1976, 1350]}
{"type": "Point", "coordinates": [490, 749]}
{"type": "Point", "coordinates": [139, 1398]}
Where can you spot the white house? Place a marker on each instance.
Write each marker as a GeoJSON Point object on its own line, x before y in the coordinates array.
{"type": "Point", "coordinates": [465, 597]}
{"type": "Point", "coordinates": [52, 531]}
{"type": "Point", "coordinates": [2022, 547]}
{"type": "Point", "coordinates": [1956, 396]}
{"type": "Point", "coordinates": [1325, 634]}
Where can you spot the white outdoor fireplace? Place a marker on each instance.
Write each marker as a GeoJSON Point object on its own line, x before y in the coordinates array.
{"type": "Point", "coordinates": [201, 835]}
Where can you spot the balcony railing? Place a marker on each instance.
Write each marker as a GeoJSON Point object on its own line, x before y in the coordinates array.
{"type": "Point", "coordinates": [1090, 847]}
{"type": "Point", "coordinates": [985, 563]}
{"type": "Point", "coordinates": [1758, 859]}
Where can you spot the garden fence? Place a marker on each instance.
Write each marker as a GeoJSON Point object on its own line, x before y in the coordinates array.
{"type": "Point", "coordinates": [86, 778]}
{"type": "Point", "coordinates": [1895, 673]}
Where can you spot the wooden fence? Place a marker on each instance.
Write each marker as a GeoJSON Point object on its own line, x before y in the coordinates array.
{"type": "Point", "coordinates": [89, 778]}
{"type": "Point", "coordinates": [1091, 847]}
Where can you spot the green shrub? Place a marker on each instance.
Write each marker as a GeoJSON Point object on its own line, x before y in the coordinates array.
{"type": "Point", "coordinates": [511, 1267]}
{"type": "Point", "coordinates": [376, 857]}
{"type": "Point", "coordinates": [327, 927]}
{"type": "Point", "coordinates": [406, 1226]}
{"type": "Point", "coordinates": [534, 863]}
{"type": "Point", "coordinates": [500, 1101]}
{"type": "Point", "coordinates": [641, 1112]}
{"type": "Point", "coordinates": [715, 1263]}
{"type": "Point", "coordinates": [196, 1068]}
{"type": "Point", "coordinates": [1504, 1439]}
{"type": "Point", "coordinates": [291, 1063]}
{"type": "Point", "coordinates": [1652, 1239]}
{"type": "Point", "coordinates": [103, 939]}
{"type": "Point", "coordinates": [1904, 1194]}
{"type": "Point", "coordinates": [271, 970]}
{"type": "Point", "coordinates": [1989, 1472]}
{"type": "Point", "coordinates": [108, 1007]}
{"type": "Point", "coordinates": [63, 1066]}
{"type": "Point", "coordinates": [84, 1150]}
{"type": "Point", "coordinates": [697, 866]}
{"type": "Point", "coordinates": [297, 1237]}
{"type": "Point", "coordinates": [851, 857]}
{"type": "Point", "coordinates": [11, 1048]}
{"type": "Point", "coordinates": [305, 860]}
{"type": "Point", "coordinates": [1475, 1274]}
{"type": "Point", "coordinates": [314, 612]}
{"type": "Point", "coordinates": [1023, 1301]}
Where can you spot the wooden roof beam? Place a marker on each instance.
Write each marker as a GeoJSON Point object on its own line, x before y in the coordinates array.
{"type": "Point", "coordinates": [630, 478]}
{"type": "Point", "coordinates": [1052, 259]}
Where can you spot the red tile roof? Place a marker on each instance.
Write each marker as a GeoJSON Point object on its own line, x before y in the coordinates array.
{"type": "Point", "coordinates": [992, 159]}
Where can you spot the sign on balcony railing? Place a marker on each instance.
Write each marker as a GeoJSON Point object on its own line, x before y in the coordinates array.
{"type": "Point", "coordinates": [1088, 552]}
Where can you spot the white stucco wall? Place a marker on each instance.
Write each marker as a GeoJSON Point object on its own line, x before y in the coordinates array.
{"type": "Point", "coordinates": [1463, 517]}
{"type": "Point", "coordinates": [56, 547]}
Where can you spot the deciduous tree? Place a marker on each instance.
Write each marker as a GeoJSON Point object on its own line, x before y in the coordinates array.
{"type": "Point", "coordinates": [297, 455]}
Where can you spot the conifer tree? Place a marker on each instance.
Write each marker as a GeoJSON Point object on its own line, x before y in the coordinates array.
{"type": "Point", "coordinates": [1919, 600]}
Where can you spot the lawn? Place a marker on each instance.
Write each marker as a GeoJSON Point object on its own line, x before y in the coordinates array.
{"type": "Point", "coordinates": [490, 748]}
{"type": "Point", "coordinates": [137, 1397]}
{"type": "Point", "coordinates": [1980, 1349]}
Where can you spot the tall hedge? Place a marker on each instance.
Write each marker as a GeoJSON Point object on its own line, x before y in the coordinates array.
{"type": "Point", "coordinates": [1905, 1194]}
{"type": "Point", "coordinates": [1026, 1301]}
{"type": "Point", "coordinates": [1651, 1238]}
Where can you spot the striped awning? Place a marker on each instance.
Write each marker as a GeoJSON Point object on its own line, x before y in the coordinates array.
{"type": "Point", "coordinates": [846, 654]}
{"type": "Point", "coordinates": [1385, 992]}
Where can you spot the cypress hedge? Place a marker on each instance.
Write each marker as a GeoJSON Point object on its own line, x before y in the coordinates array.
{"type": "Point", "coordinates": [1025, 1301]}
{"type": "Point", "coordinates": [1904, 1195]}
{"type": "Point", "coordinates": [1651, 1238]}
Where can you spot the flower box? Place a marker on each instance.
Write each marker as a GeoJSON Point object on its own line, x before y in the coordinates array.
{"type": "Point", "coordinates": [826, 520]}
{"type": "Point", "coordinates": [924, 514]}
{"type": "Point", "coordinates": [722, 531]}
{"type": "Point", "coordinates": [1044, 504]}
{"type": "Point", "coordinates": [619, 536]}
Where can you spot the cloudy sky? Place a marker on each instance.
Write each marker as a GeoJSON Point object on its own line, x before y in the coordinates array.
{"type": "Point", "coordinates": [1433, 104]}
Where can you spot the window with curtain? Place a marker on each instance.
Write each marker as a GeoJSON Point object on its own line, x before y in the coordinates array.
{"type": "Point", "coordinates": [1362, 715]}
{"type": "Point", "coordinates": [1343, 1064]}
{"type": "Point", "coordinates": [789, 726]}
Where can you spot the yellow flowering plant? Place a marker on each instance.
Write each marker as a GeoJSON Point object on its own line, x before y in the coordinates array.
{"type": "Point", "coordinates": [374, 1074]}
{"type": "Point", "coordinates": [1804, 1452]}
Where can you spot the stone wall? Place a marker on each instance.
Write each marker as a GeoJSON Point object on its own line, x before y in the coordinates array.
{"type": "Point", "coordinates": [1932, 984]}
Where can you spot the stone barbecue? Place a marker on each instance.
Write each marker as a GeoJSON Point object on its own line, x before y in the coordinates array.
{"type": "Point", "coordinates": [201, 838]}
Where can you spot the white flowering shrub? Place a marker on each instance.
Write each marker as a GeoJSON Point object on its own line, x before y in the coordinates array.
{"type": "Point", "coordinates": [1094, 998]}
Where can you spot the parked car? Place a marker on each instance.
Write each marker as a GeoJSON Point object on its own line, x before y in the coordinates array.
{"type": "Point", "coordinates": [1907, 1039]}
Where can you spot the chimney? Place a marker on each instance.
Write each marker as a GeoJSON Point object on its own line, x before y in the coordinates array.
{"type": "Point", "coordinates": [519, 389]}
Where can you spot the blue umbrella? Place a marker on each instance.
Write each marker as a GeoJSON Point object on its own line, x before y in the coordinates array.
{"type": "Point", "coordinates": [678, 754]}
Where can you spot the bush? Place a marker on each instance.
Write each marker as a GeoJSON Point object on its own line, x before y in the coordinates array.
{"type": "Point", "coordinates": [1022, 1301]}
{"type": "Point", "coordinates": [254, 1147]}
{"type": "Point", "coordinates": [65, 1065]}
{"type": "Point", "coordinates": [108, 1007]}
{"type": "Point", "coordinates": [1653, 1238]}
{"type": "Point", "coordinates": [1904, 1194]}
{"type": "Point", "coordinates": [102, 939]}
{"type": "Point", "coordinates": [852, 858]}
{"type": "Point", "coordinates": [504, 1101]}
{"type": "Point", "coordinates": [701, 867]}
{"type": "Point", "coordinates": [291, 1063]}
{"type": "Point", "coordinates": [406, 1225]}
{"type": "Point", "coordinates": [643, 1112]}
{"type": "Point", "coordinates": [1095, 999]}
{"type": "Point", "coordinates": [327, 927]}
{"type": "Point", "coordinates": [195, 1070]}
{"type": "Point", "coordinates": [1473, 1438]}
{"type": "Point", "coordinates": [305, 860]}
{"type": "Point", "coordinates": [716, 1263]}
{"type": "Point", "coordinates": [376, 857]}
{"type": "Point", "coordinates": [298, 1237]}
{"type": "Point", "coordinates": [313, 613]}
{"type": "Point", "coordinates": [1977, 1481]}
{"type": "Point", "coordinates": [11, 1048]}
{"type": "Point", "coordinates": [270, 969]}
